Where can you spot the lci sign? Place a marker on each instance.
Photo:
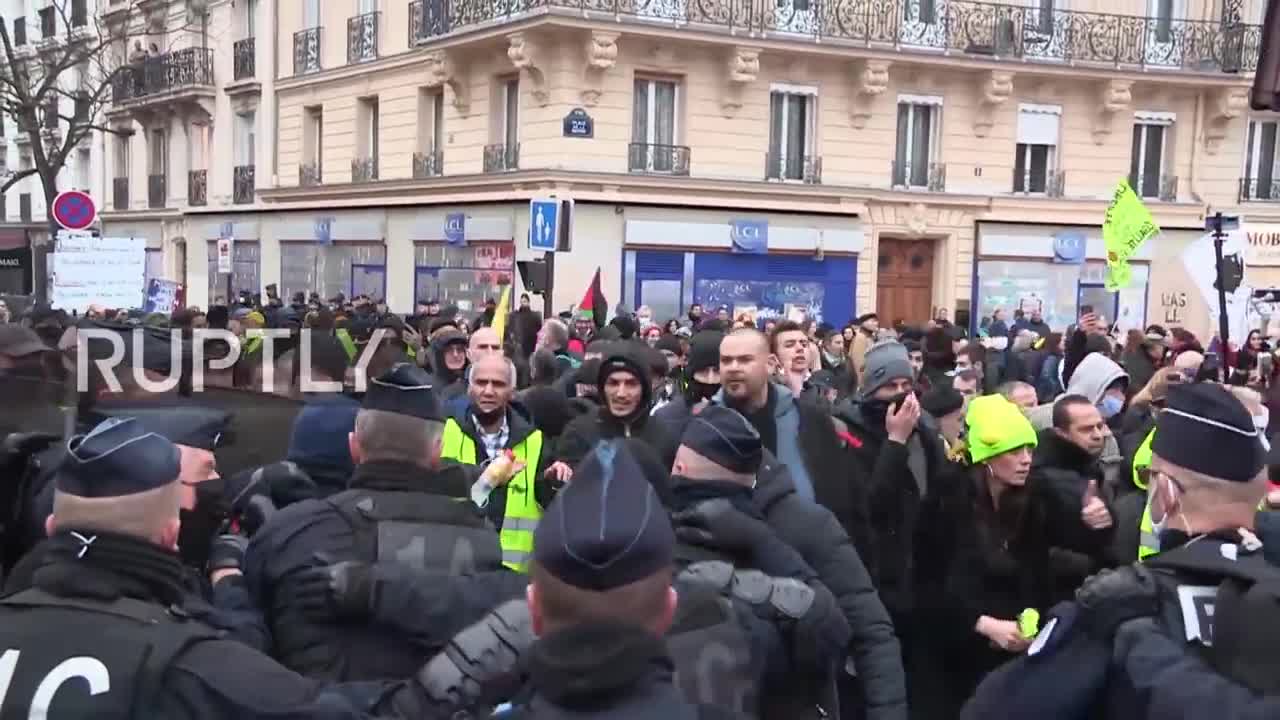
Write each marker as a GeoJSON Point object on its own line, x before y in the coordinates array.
{"type": "Point", "coordinates": [1069, 247]}
{"type": "Point", "coordinates": [749, 236]}
{"type": "Point", "coordinates": [455, 229]}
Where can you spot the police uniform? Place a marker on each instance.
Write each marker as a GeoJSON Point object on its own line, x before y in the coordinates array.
{"type": "Point", "coordinates": [516, 507]}
{"type": "Point", "coordinates": [1213, 595]}
{"type": "Point", "coordinates": [394, 512]}
{"type": "Point", "coordinates": [605, 530]}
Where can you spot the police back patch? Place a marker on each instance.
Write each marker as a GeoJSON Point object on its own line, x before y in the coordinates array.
{"type": "Point", "coordinates": [1197, 602]}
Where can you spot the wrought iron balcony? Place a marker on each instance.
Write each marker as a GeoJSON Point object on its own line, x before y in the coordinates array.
{"type": "Point", "coordinates": [1051, 183]}
{"type": "Point", "coordinates": [246, 58]}
{"type": "Point", "coordinates": [797, 168]}
{"type": "Point", "coordinates": [120, 193]}
{"type": "Point", "coordinates": [243, 184]}
{"type": "Point", "coordinates": [661, 159]}
{"type": "Point", "coordinates": [309, 174]}
{"type": "Point", "coordinates": [1000, 30]}
{"type": "Point", "coordinates": [428, 20]}
{"type": "Point", "coordinates": [364, 169]}
{"type": "Point", "coordinates": [362, 38]}
{"type": "Point", "coordinates": [157, 190]}
{"type": "Point", "coordinates": [167, 73]}
{"type": "Point", "coordinates": [428, 164]}
{"type": "Point", "coordinates": [306, 51]}
{"type": "Point", "coordinates": [198, 187]}
{"type": "Point", "coordinates": [920, 176]}
{"type": "Point", "coordinates": [1155, 187]}
{"type": "Point", "coordinates": [1256, 190]}
{"type": "Point", "coordinates": [501, 158]}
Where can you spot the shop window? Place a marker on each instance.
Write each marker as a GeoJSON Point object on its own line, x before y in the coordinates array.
{"type": "Point", "coordinates": [1035, 160]}
{"type": "Point", "coordinates": [244, 271]}
{"type": "Point", "coordinates": [1260, 162]}
{"type": "Point", "coordinates": [332, 269]}
{"type": "Point", "coordinates": [791, 134]}
{"type": "Point", "coordinates": [916, 143]}
{"type": "Point", "coordinates": [462, 276]}
{"type": "Point", "coordinates": [1147, 161]}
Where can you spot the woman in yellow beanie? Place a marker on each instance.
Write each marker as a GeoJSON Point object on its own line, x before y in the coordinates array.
{"type": "Point", "coordinates": [985, 560]}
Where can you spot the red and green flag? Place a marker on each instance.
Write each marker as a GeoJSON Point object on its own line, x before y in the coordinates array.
{"type": "Point", "coordinates": [594, 306]}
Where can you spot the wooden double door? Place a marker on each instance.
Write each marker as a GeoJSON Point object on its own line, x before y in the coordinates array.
{"type": "Point", "coordinates": [904, 280]}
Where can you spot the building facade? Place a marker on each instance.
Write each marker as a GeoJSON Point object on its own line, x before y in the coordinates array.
{"type": "Point", "coordinates": [39, 31]}
{"type": "Point", "coordinates": [835, 156]}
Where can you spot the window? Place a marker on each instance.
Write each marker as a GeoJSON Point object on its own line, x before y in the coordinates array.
{"type": "Point", "coordinates": [250, 18]}
{"type": "Point", "coordinates": [20, 31]}
{"type": "Point", "coordinates": [509, 122]}
{"type": "Point", "coordinates": [368, 6]}
{"type": "Point", "coordinates": [1162, 11]}
{"type": "Point", "coordinates": [791, 125]}
{"type": "Point", "coordinates": [430, 120]}
{"type": "Point", "coordinates": [83, 169]}
{"type": "Point", "coordinates": [79, 13]}
{"type": "Point", "coordinates": [198, 144]}
{"type": "Point", "coordinates": [120, 157]}
{"type": "Point", "coordinates": [159, 150]}
{"type": "Point", "coordinates": [50, 114]}
{"type": "Point", "coordinates": [1260, 162]}
{"type": "Point", "coordinates": [1036, 157]}
{"type": "Point", "coordinates": [917, 141]}
{"type": "Point", "coordinates": [1147, 162]}
{"type": "Point", "coordinates": [313, 137]}
{"type": "Point", "coordinates": [311, 13]}
{"type": "Point", "coordinates": [48, 22]}
{"type": "Point", "coordinates": [82, 106]}
{"type": "Point", "coordinates": [653, 119]}
{"type": "Point", "coordinates": [1042, 10]}
{"type": "Point", "coordinates": [246, 137]}
{"type": "Point", "coordinates": [368, 128]}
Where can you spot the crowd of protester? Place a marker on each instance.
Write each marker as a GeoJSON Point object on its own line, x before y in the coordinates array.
{"type": "Point", "coordinates": [944, 486]}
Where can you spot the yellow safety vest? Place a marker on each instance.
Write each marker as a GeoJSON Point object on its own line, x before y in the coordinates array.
{"type": "Point", "coordinates": [344, 337]}
{"type": "Point", "coordinates": [1148, 543]}
{"type": "Point", "coordinates": [521, 515]}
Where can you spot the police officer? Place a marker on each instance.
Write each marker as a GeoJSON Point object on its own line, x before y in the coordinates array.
{"type": "Point", "coordinates": [480, 432]}
{"type": "Point", "coordinates": [402, 507]}
{"type": "Point", "coordinates": [601, 599]}
{"type": "Point", "coordinates": [1210, 588]}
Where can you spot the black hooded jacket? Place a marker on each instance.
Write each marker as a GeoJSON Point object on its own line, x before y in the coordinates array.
{"type": "Point", "coordinates": [584, 431]}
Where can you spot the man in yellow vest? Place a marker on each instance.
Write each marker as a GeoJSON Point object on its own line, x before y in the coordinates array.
{"type": "Point", "coordinates": [514, 494]}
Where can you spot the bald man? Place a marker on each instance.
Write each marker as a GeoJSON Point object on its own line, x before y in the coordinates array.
{"type": "Point", "coordinates": [485, 428]}
{"type": "Point", "coordinates": [483, 342]}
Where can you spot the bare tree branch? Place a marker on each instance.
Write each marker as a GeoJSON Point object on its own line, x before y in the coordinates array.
{"type": "Point", "coordinates": [18, 177]}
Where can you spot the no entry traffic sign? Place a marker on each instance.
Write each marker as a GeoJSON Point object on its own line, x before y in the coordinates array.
{"type": "Point", "coordinates": [74, 210]}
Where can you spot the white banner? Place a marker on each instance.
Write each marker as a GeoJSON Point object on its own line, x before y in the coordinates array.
{"type": "Point", "coordinates": [86, 270]}
{"type": "Point", "coordinates": [225, 248]}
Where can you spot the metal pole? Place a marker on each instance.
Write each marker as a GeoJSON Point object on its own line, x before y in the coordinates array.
{"type": "Point", "coordinates": [1223, 325]}
{"type": "Point", "coordinates": [548, 302]}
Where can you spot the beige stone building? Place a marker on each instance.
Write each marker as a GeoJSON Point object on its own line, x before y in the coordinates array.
{"type": "Point", "coordinates": [837, 156]}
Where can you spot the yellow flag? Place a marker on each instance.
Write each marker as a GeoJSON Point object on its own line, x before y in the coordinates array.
{"type": "Point", "coordinates": [500, 313]}
{"type": "Point", "coordinates": [1128, 224]}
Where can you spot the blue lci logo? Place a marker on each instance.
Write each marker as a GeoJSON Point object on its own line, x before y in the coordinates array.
{"type": "Point", "coordinates": [1069, 247]}
{"type": "Point", "coordinates": [455, 228]}
{"type": "Point", "coordinates": [749, 236]}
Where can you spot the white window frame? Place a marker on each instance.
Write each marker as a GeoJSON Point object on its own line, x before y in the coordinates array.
{"type": "Point", "coordinates": [315, 129]}
{"type": "Point", "coordinates": [934, 103]}
{"type": "Point", "coordinates": [432, 110]}
{"type": "Point", "coordinates": [162, 135]}
{"type": "Point", "coordinates": [651, 109]}
{"type": "Point", "coordinates": [246, 137]}
{"type": "Point", "coordinates": [370, 112]}
{"type": "Point", "coordinates": [1251, 150]}
{"type": "Point", "coordinates": [791, 92]}
{"type": "Point", "coordinates": [364, 7]}
{"type": "Point", "coordinates": [1147, 119]}
{"type": "Point", "coordinates": [510, 132]}
{"type": "Point", "coordinates": [1051, 157]}
{"type": "Point", "coordinates": [310, 14]}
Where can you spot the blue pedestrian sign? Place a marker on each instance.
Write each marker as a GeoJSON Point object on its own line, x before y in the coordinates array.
{"type": "Point", "coordinates": [544, 224]}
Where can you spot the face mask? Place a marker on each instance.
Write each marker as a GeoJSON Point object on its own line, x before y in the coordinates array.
{"type": "Point", "coordinates": [1163, 524]}
{"type": "Point", "coordinates": [1110, 406]}
{"type": "Point", "coordinates": [698, 391]}
{"type": "Point", "coordinates": [876, 411]}
{"type": "Point", "coordinates": [201, 524]}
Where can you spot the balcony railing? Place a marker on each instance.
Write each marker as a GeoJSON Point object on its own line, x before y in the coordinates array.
{"type": "Point", "coordinates": [920, 176]}
{"type": "Point", "coordinates": [428, 20]}
{"type": "Point", "coordinates": [120, 193]}
{"type": "Point", "coordinates": [189, 67]}
{"type": "Point", "coordinates": [309, 174]}
{"type": "Point", "coordinates": [501, 158]}
{"type": "Point", "coordinates": [1049, 184]}
{"type": "Point", "coordinates": [244, 183]}
{"type": "Point", "coordinates": [661, 159]}
{"type": "Point", "coordinates": [1000, 30]}
{"type": "Point", "coordinates": [246, 59]}
{"type": "Point", "coordinates": [157, 190]}
{"type": "Point", "coordinates": [428, 164]}
{"type": "Point", "coordinates": [797, 168]}
{"type": "Point", "coordinates": [306, 51]}
{"type": "Point", "coordinates": [1155, 187]}
{"type": "Point", "coordinates": [364, 169]}
{"type": "Point", "coordinates": [362, 38]}
{"type": "Point", "coordinates": [198, 187]}
{"type": "Point", "coordinates": [1255, 190]}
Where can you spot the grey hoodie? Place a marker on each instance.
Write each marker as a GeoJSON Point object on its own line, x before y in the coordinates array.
{"type": "Point", "coordinates": [1092, 377]}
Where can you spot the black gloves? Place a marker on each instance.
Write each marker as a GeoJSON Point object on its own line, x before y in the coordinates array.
{"type": "Point", "coordinates": [226, 552]}
{"type": "Point", "coordinates": [340, 591]}
{"type": "Point", "coordinates": [481, 665]}
{"type": "Point", "coordinates": [717, 524]}
{"type": "Point", "coordinates": [1113, 597]}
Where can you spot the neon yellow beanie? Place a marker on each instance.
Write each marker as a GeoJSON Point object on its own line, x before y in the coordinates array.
{"type": "Point", "coordinates": [995, 426]}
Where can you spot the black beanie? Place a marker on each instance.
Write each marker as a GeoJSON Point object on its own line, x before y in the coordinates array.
{"type": "Point", "coordinates": [704, 350]}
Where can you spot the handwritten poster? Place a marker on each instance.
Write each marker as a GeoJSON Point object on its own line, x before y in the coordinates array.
{"type": "Point", "coordinates": [86, 270]}
{"type": "Point", "coordinates": [162, 295]}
